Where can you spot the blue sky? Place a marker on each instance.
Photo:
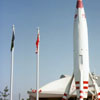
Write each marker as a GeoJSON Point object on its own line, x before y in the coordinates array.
{"type": "Point", "coordinates": [55, 19]}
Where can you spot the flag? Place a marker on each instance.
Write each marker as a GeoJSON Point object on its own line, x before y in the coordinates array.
{"type": "Point", "coordinates": [12, 41]}
{"type": "Point", "coordinates": [37, 42]}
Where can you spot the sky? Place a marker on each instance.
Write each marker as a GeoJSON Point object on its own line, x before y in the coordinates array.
{"type": "Point", "coordinates": [55, 19]}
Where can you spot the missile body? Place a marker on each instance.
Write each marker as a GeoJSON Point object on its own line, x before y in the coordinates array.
{"type": "Point", "coordinates": [81, 55]}
{"type": "Point", "coordinates": [81, 72]}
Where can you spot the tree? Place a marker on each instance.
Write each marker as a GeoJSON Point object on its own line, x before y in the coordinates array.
{"type": "Point", "coordinates": [4, 94]}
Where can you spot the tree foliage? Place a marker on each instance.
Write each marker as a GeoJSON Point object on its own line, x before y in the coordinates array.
{"type": "Point", "coordinates": [4, 94]}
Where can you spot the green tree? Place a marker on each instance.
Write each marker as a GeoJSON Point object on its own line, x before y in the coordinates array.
{"type": "Point", "coordinates": [28, 99]}
{"type": "Point", "coordinates": [4, 94]}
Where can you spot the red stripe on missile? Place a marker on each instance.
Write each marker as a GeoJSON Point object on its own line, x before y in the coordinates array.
{"type": "Point", "coordinates": [81, 91]}
{"type": "Point", "coordinates": [85, 82]}
{"type": "Point", "coordinates": [85, 87]}
{"type": "Point", "coordinates": [99, 93]}
{"type": "Point", "coordinates": [79, 4]}
{"type": "Point", "coordinates": [77, 82]}
{"type": "Point", "coordinates": [81, 96]}
{"type": "Point", "coordinates": [65, 94]}
{"type": "Point", "coordinates": [77, 87]}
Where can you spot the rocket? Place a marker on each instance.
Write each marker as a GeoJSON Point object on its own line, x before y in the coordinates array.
{"type": "Point", "coordinates": [81, 55]}
{"type": "Point", "coordinates": [81, 72]}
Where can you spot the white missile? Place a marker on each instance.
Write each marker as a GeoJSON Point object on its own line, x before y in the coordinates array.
{"type": "Point", "coordinates": [81, 55]}
{"type": "Point", "coordinates": [81, 72]}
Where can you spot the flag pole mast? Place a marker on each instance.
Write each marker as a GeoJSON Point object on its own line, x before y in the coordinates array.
{"type": "Point", "coordinates": [12, 64]}
{"type": "Point", "coordinates": [37, 66]}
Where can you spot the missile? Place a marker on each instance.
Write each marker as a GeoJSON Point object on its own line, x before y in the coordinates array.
{"type": "Point", "coordinates": [81, 53]}
{"type": "Point", "coordinates": [81, 72]}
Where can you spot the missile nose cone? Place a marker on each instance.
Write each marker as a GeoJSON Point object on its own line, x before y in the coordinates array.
{"type": "Point", "coordinates": [79, 4]}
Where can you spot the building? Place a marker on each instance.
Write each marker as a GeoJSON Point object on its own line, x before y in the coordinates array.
{"type": "Point", "coordinates": [55, 90]}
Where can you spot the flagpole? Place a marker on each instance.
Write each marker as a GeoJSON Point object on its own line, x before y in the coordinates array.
{"type": "Point", "coordinates": [37, 69]}
{"type": "Point", "coordinates": [12, 66]}
{"type": "Point", "coordinates": [11, 80]}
